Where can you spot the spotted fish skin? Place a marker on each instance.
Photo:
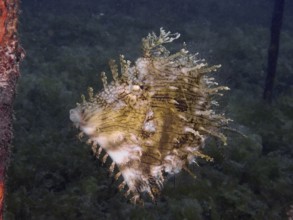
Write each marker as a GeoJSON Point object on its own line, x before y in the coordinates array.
{"type": "Point", "coordinates": [154, 117]}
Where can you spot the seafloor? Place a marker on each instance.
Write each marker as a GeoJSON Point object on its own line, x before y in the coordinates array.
{"type": "Point", "coordinates": [54, 176]}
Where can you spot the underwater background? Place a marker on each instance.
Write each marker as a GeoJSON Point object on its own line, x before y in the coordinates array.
{"type": "Point", "coordinates": [68, 43]}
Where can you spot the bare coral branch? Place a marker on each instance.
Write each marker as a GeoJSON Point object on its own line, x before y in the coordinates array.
{"type": "Point", "coordinates": [10, 55]}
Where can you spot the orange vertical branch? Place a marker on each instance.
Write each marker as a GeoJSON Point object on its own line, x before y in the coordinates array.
{"type": "Point", "coordinates": [10, 55]}
{"type": "Point", "coordinates": [3, 14]}
{"type": "Point", "coordinates": [1, 199]}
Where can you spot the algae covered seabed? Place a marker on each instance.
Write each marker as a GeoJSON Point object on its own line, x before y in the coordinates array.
{"type": "Point", "coordinates": [68, 43]}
